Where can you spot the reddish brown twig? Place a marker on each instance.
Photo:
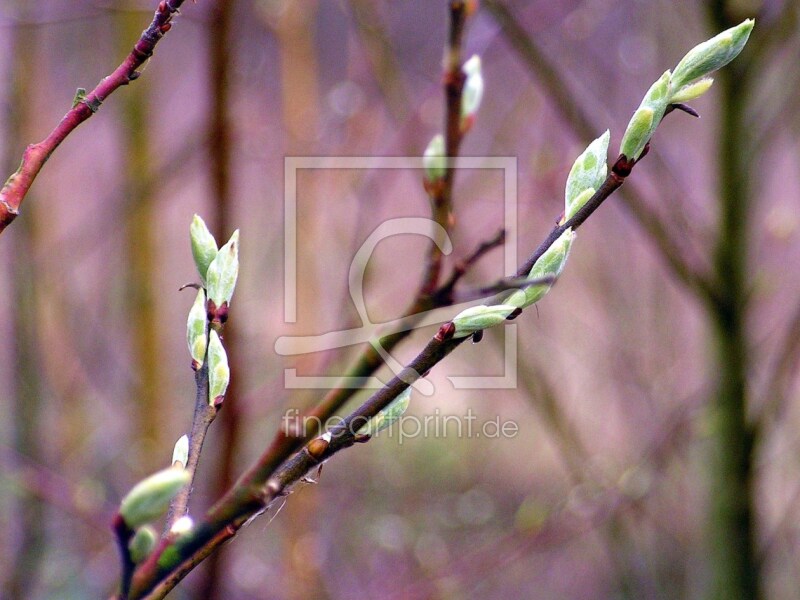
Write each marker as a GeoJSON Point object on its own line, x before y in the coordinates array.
{"type": "Point", "coordinates": [16, 187]}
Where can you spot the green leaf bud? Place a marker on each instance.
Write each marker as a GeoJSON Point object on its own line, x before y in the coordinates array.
{"type": "Point", "coordinates": [180, 454]}
{"type": "Point", "coordinates": [588, 172]}
{"type": "Point", "coordinates": [388, 415]}
{"type": "Point", "coordinates": [196, 330]}
{"type": "Point", "coordinates": [434, 161]}
{"type": "Point", "coordinates": [80, 96]}
{"type": "Point", "coordinates": [579, 202]}
{"type": "Point", "coordinates": [142, 543]}
{"type": "Point", "coordinates": [478, 318]}
{"type": "Point", "coordinates": [645, 120]}
{"type": "Point", "coordinates": [712, 54]}
{"type": "Point", "coordinates": [150, 498]}
{"type": "Point", "coordinates": [204, 247]}
{"type": "Point", "coordinates": [638, 133]}
{"type": "Point", "coordinates": [550, 264]}
{"type": "Point", "coordinates": [219, 374]}
{"type": "Point", "coordinates": [223, 272]}
{"type": "Point", "coordinates": [472, 93]}
{"type": "Point", "coordinates": [692, 91]}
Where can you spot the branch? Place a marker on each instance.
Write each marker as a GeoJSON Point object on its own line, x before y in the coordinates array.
{"type": "Point", "coordinates": [441, 193]}
{"type": "Point", "coordinates": [576, 117]}
{"type": "Point", "coordinates": [16, 187]}
{"type": "Point", "coordinates": [271, 477]}
{"type": "Point", "coordinates": [204, 415]}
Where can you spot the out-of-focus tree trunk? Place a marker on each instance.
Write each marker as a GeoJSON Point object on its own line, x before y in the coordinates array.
{"type": "Point", "coordinates": [28, 541]}
{"type": "Point", "coordinates": [733, 527]}
{"type": "Point", "coordinates": [221, 45]}
{"type": "Point", "coordinates": [140, 240]}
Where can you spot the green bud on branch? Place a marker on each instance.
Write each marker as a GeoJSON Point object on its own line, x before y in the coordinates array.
{"type": "Point", "coordinates": [219, 374]}
{"type": "Point", "coordinates": [550, 264]}
{"type": "Point", "coordinates": [204, 246]}
{"type": "Point", "coordinates": [646, 118]}
{"type": "Point", "coordinates": [434, 161]}
{"type": "Point", "coordinates": [80, 96]}
{"type": "Point", "coordinates": [472, 93]}
{"type": "Point", "coordinates": [223, 272]}
{"type": "Point", "coordinates": [180, 454]}
{"type": "Point", "coordinates": [142, 543]}
{"type": "Point", "coordinates": [150, 498]}
{"type": "Point", "coordinates": [478, 318]}
{"type": "Point", "coordinates": [692, 91]}
{"type": "Point", "coordinates": [712, 54]}
{"type": "Point", "coordinates": [197, 330]}
{"type": "Point", "coordinates": [388, 415]}
{"type": "Point", "coordinates": [182, 525]}
{"type": "Point", "coordinates": [587, 173]}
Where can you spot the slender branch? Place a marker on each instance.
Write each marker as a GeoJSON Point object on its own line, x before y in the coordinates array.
{"type": "Point", "coordinates": [441, 192]}
{"type": "Point", "coordinates": [221, 35]}
{"type": "Point", "coordinates": [204, 415]}
{"type": "Point", "coordinates": [672, 252]}
{"type": "Point", "coordinates": [16, 187]}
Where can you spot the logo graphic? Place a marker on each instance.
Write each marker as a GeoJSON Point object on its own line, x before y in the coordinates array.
{"type": "Point", "coordinates": [370, 332]}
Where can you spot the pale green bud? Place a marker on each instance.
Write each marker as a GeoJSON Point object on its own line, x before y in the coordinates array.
{"type": "Point", "coordinates": [150, 498]}
{"type": "Point", "coordinates": [579, 202]}
{"type": "Point", "coordinates": [180, 454]}
{"type": "Point", "coordinates": [472, 94]}
{"type": "Point", "coordinates": [550, 264]}
{"type": "Point", "coordinates": [645, 120]}
{"type": "Point", "coordinates": [223, 272]}
{"type": "Point", "coordinates": [692, 91]}
{"type": "Point", "coordinates": [388, 415]}
{"type": "Point", "coordinates": [712, 54]}
{"type": "Point", "coordinates": [588, 172]}
{"type": "Point", "coordinates": [204, 247]}
{"type": "Point", "coordinates": [182, 525]}
{"type": "Point", "coordinates": [478, 318]}
{"type": "Point", "coordinates": [196, 328]}
{"type": "Point", "coordinates": [219, 374]}
{"type": "Point", "coordinates": [638, 133]}
{"type": "Point", "coordinates": [434, 160]}
{"type": "Point", "coordinates": [142, 543]}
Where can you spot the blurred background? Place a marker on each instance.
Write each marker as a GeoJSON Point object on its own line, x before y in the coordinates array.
{"type": "Point", "coordinates": [657, 453]}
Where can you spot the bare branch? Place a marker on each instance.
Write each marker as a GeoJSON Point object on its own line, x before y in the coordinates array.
{"type": "Point", "coordinates": [16, 187]}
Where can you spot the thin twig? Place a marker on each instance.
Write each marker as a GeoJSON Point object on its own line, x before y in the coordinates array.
{"type": "Point", "coordinates": [441, 193]}
{"type": "Point", "coordinates": [672, 252]}
{"type": "Point", "coordinates": [221, 35]}
{"type": "Point", "coordinates": [204, 415]}
{"type": "Point", "coordinates": [16, 187]}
